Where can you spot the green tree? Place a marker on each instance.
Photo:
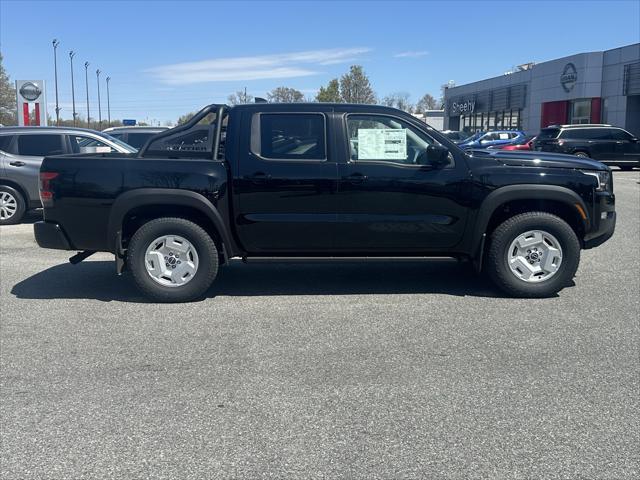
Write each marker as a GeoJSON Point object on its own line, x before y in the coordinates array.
{"type": "Point", "coordinates": [427, 102]}
{"type": "Point", "coordinates": [185, 118]}
{"type": "Point", "coordinates": [355, 86]}
{"type": "Point", "coordinates": [7, 98]}
{"type": "Point", "coordinates": [330, 93]}
{"type": "Point", "coordinates": [285, 95]}
{"type": "Point", "coordinates": [398, 100]}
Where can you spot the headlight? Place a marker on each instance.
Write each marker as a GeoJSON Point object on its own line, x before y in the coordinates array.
{"type": "Point", "coordinates": [602, 176]}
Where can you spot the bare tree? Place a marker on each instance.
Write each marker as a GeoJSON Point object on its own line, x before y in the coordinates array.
{"type": "Point", "coordinates": [285, 95]}
{"type": "Point", "coordinates": [355, 87]}
{"type": "Point", "coordinates": [240, 97]}
{"type": "Point", "coordinates": [399, 100]}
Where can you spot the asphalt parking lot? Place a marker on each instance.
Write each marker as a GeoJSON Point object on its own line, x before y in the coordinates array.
{"type": "Point", "coordinates": [321, 370]}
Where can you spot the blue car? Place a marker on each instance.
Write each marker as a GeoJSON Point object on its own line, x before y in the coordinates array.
{"type": "Point", "coordinates": [489, 139]}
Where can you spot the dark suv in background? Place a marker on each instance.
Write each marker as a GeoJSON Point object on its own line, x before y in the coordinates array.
{"type": "Point", "coordinates": [607, 144]}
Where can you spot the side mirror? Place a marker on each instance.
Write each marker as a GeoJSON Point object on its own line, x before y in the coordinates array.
{"type": "Point", "coordinates": [435, 155]}
{"type": "Point", "coordinates": [634, 140]}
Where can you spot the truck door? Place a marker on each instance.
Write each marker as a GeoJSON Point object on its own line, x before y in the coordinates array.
{"type": "Point", "coordinates": [286, 182]}
{"type": "Point", "coordinates": [391, 200]}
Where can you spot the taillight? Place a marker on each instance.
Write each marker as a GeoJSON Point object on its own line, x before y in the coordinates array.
{"type": "Point", "coordinates": [46, 195]}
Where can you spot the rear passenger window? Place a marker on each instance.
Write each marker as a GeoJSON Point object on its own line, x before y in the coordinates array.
{"type": "Point", "coordinates": [620, 135]}
{"type": "Point", "coordinates": [40, 145]}
{"type": "Point", "coordinates": [5, 142]}
{"type": "Point", "coordinates": [295, 136]}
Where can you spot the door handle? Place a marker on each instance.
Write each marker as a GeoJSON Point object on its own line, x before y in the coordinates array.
{"type": "Point", "coordinates": [258, 177]}
{"type": "Point", "coordinates": [17, 163]}
{"type": "Point", "coordinates": [355, 178]}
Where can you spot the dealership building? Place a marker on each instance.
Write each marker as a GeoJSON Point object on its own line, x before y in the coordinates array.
{"type": "Point", "coordinates": [594, 87]}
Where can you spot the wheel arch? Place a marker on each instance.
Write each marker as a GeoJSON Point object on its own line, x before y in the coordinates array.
{"type": "Point", "coordinates": [513, 199]}
{"type": "Point", "coordinates": [151, 203]}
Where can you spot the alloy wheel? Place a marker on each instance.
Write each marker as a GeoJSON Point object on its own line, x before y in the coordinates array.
{"type": "Point", "coordinates": [171, 261]}
{"type": "Point", "coordinates": [8, 205]}
{"type": "Point", "coordinates": [534, 256]}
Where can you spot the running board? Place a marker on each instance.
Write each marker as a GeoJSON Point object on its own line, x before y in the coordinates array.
{"type": "Point", "coordinates": [80, 256]}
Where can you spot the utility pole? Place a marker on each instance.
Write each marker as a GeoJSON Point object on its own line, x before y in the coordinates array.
{"type": "Point", "coordinates": [108, 103]}
{"type": "Point", "coordinates": [55, 69]}
{"type": "Point", "coordinates": [86, 81]}
{"type": "Point", "coordinates": [73, 89]}
{"type": "Point", "coordinates": [98, 72]}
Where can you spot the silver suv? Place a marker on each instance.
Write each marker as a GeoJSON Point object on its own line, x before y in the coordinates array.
{"type": "Point", "coordinates": [22, 150]}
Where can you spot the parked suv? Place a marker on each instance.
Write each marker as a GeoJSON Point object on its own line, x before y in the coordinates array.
{"type": "Point", "coordinates": [21, 152]}
{"type": "Point", "coordinates": [134, 136]}
{"type": "Point", "coordinates": [610, 145]}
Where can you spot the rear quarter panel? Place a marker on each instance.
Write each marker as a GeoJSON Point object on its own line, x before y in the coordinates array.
{"type": "Point", "coordinates": [88, 185]}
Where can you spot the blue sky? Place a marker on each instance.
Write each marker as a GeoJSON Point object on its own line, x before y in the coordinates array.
{"type": "Point", "coordinates": [166, 58]}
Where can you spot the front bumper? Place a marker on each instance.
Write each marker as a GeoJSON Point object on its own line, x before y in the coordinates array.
{"type": "Point", "coordinates": [51, 235]}
{"type": "Point", "coordinates": [603, 220]}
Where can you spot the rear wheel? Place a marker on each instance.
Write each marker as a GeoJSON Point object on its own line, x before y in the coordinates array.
{"type": "Point", "coordinates": [12, 205]}
{"type": "Point", "coordinates": [582, 154]}
{"type": "Point", "coordinates": [534, 254]}
{"type": "Point", "coordinates": [172, 259]}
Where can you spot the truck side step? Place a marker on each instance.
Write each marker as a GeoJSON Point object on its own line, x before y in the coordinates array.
{"type": "Point", "coordinates": [80, 256]}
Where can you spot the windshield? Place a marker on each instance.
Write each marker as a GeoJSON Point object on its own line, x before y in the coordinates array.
{"type": "Point", "coordinates": [523, 140]}
{"type": "Point", "coordinates": [548, 133]}
{"type": "Point", "coordinates": [474, 137]}
{"type": "Point", "coordinates": [125, 146]}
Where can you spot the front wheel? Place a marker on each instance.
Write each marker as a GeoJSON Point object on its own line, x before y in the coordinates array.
{"type": "Point", "coordinates": [582, 154]}
{"type": "Point", "coordinates": [172, 259]}
{"type": "Point", "coordinates": [534, 254]}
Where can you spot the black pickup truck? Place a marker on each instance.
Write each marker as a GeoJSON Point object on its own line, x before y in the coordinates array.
{"type": "Point", "coordinates": [323, 180]}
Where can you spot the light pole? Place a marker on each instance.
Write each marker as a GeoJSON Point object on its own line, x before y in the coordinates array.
{"type": "Point", "coordinates": [73, 89]}
{"type": "Point", "coordinates": [99, 108]}
{"type": "Point", "coordinates": [55, 69]}
{"type": "Point", "coordinates": [86, 81]}
{"type": "Point", "coordinates": [108, 103]}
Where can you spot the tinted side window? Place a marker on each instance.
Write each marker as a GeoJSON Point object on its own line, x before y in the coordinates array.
{"type": "Point", "coordinates": [116, 135]}
{"type": "Point", "coordinates": [5, 142]}
{"type": "Point", "coordinates": [587, 134]}
{"type": "Point", "coordinates": [381, 138]}
{"type": "Point", "coordinates": [40, 145]}
{"type": "Point", "coordinates": [295, 136]}
{"type": "Point", "coordinates": [137, 140]}
{"type": "Point", "coordinates": [618, 134]}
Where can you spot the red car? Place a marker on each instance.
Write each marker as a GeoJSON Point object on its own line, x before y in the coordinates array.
{"type": "Point", "coordinates": [525, 143]}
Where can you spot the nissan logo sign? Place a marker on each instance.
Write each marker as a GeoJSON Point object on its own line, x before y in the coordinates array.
{"type": "Point", "coordinates": [569, 77]}
{"type": "Point", "coordinates": [30, 91]}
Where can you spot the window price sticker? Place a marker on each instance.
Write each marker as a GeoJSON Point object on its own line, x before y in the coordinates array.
{"type": "Point", "coordinates": [382, 144]}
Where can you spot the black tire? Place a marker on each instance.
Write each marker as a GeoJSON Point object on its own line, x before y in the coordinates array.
{"type": "Point", "coordinates": [200, 240]}
{"type": "Point", "coordinates": [501, 239]}
{"type": "Point", "coordinates": [18, 201]}
{"type": "Point", "coordinates": [625, 168]}
{"type": "Point", "coordinates": [582, 154]}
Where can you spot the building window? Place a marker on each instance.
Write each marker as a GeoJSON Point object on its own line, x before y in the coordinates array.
{"type": "Point", "coordinates": [580, 111]}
